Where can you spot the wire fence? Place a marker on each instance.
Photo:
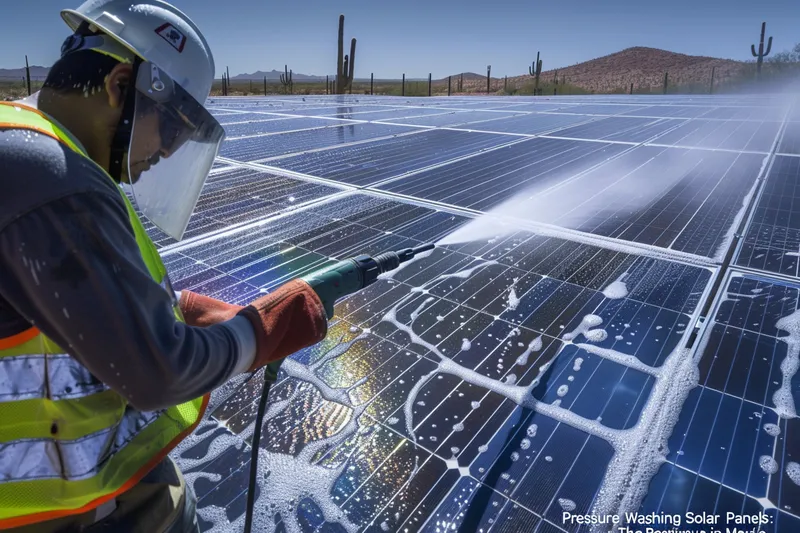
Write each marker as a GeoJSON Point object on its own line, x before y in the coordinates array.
{"type": "Point", "coordinates": [773, 76]}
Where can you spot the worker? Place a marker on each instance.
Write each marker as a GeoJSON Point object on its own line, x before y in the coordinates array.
{"type": "Point", "coordinates": [103, 367]}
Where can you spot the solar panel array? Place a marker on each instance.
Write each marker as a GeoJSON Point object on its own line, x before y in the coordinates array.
{"type": "Point", "coordinates": [621, 336]}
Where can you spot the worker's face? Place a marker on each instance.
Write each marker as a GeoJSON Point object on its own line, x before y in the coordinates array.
{"type": "Point", "coordinates": [145, 149]}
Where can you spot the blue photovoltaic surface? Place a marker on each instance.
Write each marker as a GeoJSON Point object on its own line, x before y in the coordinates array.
{"type": "Point", "coordinates": [470, 390]}
{"type": "Point", "coordinates": [606, 109]}
{"type": "Point", "coordinates": [451, 118]}
{"type": "Point", "coordinates": [729, 134]}
{"type": "Point", "coordinates": [772, 241]}
{"type": "Point", "coordinates": [239, 117]}
{"type": "Point", "coordinates": [624, 129]}
{"type": "Point", "coordinates": [790, 144]}
{"type": "Point", "coordinates": [389, 114]}
{"type": "Point", "coordinates": [533, 123]}
{"type": "Point", "coordinates": [558, 283]}
{"type": "Point", "coordinates": [670, 111]}
{"type": "Point", "coordinates": [259, 127]}
{"type": "Point", "coordinates": [730, 450]}
{"type": "Point", "coordinates": [256, 148]}
{"type": "Point", "coordinates": [365, 164]}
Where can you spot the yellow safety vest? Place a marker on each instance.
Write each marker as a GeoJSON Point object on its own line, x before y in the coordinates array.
{"type": "Point", "coordinates": [68, 443]}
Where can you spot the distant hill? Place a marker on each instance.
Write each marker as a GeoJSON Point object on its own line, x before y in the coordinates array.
{"type": "Point", "coordinates": [644, 67]}
{"type": "Point", "coordinates": [16, 74]}
{"type": "Point", "coordinates": [276, 75]}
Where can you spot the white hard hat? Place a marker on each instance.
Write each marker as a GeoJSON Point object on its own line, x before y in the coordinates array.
{"type": "Point", "coordinates": [173, 71]}
{"type": "Point", "coordinates": [158, 33]}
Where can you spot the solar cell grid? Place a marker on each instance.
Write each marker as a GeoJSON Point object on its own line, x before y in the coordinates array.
{"type": "Point", "coordinates": [686, 200]}
{"type": "Point", "coordinates": [670, 111]}
{"type": "Point", "coordinates": [477, 387]}
{"type": "Point", "coordinates": [735, 440]}
{"type": "Point", "coordinates": [260, 127]}
{"type": "Point", "coordinates": [261, 147]}
{"type": "Point", "coordinates": [730, 134]}
{"type": "Point", "coordinates": [790, 143]}
{"type": "Point", "coordinates": [451, 118]}
{"type": "Point", "coordinates": [557, 283]}
{"type": "Point", "coordinates": [531, 124]}
{"type": "Point", "coordinates": [626, 129]}
{"type": "Point", "coordinates": [369, 163]}
{"type": "Point", "coordinates": [772, 241]}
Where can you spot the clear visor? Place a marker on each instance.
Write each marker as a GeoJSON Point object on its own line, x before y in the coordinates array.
{"type": "Point", "coordinates": [174, 141]}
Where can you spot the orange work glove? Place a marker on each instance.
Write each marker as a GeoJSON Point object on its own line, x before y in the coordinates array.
{"type": "Point", "coordinates": [285, 321]}
{"type": "Point", "coordinates": [199, 310]}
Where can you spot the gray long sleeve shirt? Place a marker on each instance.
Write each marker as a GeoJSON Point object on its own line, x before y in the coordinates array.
{"type": "Point", "coordinates": [70, 265]}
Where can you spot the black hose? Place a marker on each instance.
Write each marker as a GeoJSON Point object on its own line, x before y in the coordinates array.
{"type": "Point", "coordinates": [251, 487]}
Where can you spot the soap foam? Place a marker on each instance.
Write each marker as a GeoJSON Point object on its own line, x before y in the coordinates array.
{"type": "Point", "coordinates": [783, 400]}
{"type": "Point", "coordinates": [768, 464]}
{"type": "Point", "coordinates": [793, 471]}
{"type": "Point", "coordinates": [617, 289]}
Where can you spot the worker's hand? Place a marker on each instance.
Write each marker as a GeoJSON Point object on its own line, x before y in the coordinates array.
{"type": "Point", "coordinates": [287, 320]}
{"type": "Point", "coordinates": [199, 310]}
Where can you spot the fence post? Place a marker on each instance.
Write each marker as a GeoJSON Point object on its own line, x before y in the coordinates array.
{"type": "Point", "coordinates": [28, 75]}
{"type": "Point", "coordinates": [403, 90]}
{"type": "Point", "coordinates": [711, 87]}
{"type": "Point", "coordinates": [631, 92]}
{"type": "Point", "coordinates": [371, 82]}
{"type": "Point", "coordinates": [666, 81]}
{"type": "Point", "coordinates": [430, 80]}
{"type": "Point", "coordinates": [449, 78]}
{"type": "Point", "coordinates": [488, 79]}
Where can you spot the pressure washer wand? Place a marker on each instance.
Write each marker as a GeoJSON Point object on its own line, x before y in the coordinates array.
{"type": "Point", "coordinates": [332, 283]}
{"type": "Point", "coordinates": [351, 275]}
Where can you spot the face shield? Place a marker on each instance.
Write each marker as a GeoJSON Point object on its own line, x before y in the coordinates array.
{"type": "Point", "coordinates": [173, 143]}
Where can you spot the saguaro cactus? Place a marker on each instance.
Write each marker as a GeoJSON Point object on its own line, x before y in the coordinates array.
{"type": "Point", "coordinates": [461, 83]}
{"type": "Point", "coordinates": [536, 70]}
{"type": "Point", "coordinates": [371, 82]}
{"type": "Point", "coordinates": [403, 89]}
{"type": "Point", "coordinates": [449, 85]}
{"type": "Point", "coordinates": [430, 82]}
{"type": "Point", "coordinates": [666, 81]}
{"type": "Point", "coordinates": [286, 79]}
{"type": "Point", "coordinates": [488, 78]}
{"type": "Point", "coordinates": [344, 64]}
{"type": "Point", "coordinates": [761, 52]}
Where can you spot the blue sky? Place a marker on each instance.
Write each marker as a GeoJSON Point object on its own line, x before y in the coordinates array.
{"type": "Point", "coordinates": [439, 36]}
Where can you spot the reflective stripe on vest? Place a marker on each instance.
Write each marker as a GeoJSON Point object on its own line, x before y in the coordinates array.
{"type": "Point", "coordinates": [68, 443]}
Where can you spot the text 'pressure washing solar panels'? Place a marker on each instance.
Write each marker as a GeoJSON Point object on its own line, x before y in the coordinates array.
{"type": "Point", "coordinates": [609, 323]}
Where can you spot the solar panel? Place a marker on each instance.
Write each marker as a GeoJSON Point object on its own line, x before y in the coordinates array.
{"type": "Point", "coordinates": [258, 147]}
{"type": "Point", "coordinates": [459, 408]}
{"type": "Point", "coordinates": [447, 117]}
{"type": "Point", "coordinates": [790, 144]}
{"type": "Point", "coordinates": [369, 163]}
{"type": "Point", "coordinates": [542, 364]}
{"type": "Point", "coordinates": [534, 123]}
{"type": "Point", "coordinates": [772, 241]}
{"type": "Point", "coordinates": [735, 447]}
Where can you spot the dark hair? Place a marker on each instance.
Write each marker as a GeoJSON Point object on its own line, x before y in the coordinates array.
{"type": "Point", "coordinates": [83, 71]}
